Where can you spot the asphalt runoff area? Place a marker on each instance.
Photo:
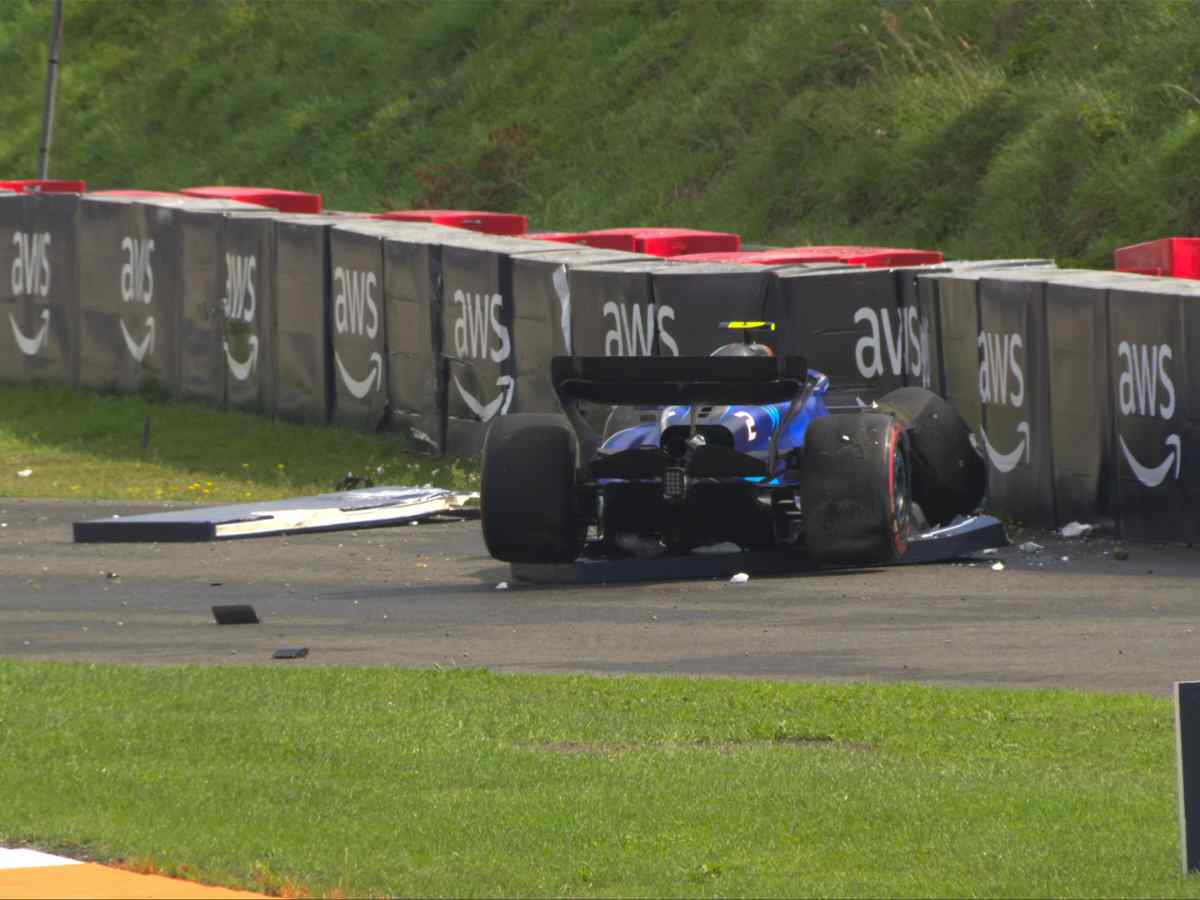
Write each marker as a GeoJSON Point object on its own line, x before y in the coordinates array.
{"type": "Point", "coordinates": [426, 596]}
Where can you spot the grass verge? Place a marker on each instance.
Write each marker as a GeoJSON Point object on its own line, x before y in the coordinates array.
{"type": "Point", "coordinates": [388, 782]}
{"type": "Point", "coordinates": [79, 444]}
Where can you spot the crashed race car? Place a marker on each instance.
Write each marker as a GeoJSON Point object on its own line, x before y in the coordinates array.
{"type": "Point", "coordinates": [740, 446]}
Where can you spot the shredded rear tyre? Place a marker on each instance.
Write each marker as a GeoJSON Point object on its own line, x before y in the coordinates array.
{"type": "Point", "coordinates": [855, 489]}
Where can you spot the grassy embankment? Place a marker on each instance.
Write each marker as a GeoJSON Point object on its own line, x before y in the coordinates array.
{"type": "Point", "coordinates": [386, 782]}
{"type": "Point", "coordinates": [86, 445]}
{"type": "Point", "coordinates": [981, 127]}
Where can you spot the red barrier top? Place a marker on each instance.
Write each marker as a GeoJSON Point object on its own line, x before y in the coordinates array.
{"type": "Point", "coordinates": [562, 237]}
{"type": "Point", "coordinates": [473, 220]}
{"type": "Point", "coordinates": [274, 198]}
{"type": "Point", "coordinates": [44, 186]}
{"type": "Point", "coordinates": [871, 257]}
{"type": "Point", "coordinates": [662, 241]}
{"type": "Point", "coordinates": [1177, 257]}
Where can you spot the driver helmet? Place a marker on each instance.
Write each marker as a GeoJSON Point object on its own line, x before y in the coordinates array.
{"type": "Point", "coordinates": [741, 349]}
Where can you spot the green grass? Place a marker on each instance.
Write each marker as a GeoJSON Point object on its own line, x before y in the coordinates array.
{"type": "Point", "coordinates": [981, 127]}
{"type": "Point", "coordinates": [389, 782]}
{"type": "Point", "coordinates": [81, 444]}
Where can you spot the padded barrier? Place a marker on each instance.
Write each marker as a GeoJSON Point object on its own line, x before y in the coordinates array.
{"type": "Point", "coordinates": [128, 302]}
{"type": "Point", "coordinates": [693, 299]}
{"type": "Point", "coordinates": [247, 308]}
{"type": "Point", "coordinates": [542, 317]}
{"type": "Point", "coordinates": [479, 343]}
{"type": "Point", "coordinates": [39, 311]}
{"type": "Point", "coordinates": [303, 304]}
{"type": "Point", "coordinates": [1153, 355]}
{"type": "Point", "coordinates": [200, 290]}
{"type": "Point", "coordinates": [1014, 396]}
{"type": "Point", "coordinates": [848, 324]}
{"type": "Point", "coordinates": [358, 332]}
{"type": "Point", "coordinates": [1080, 393]}
{"type": "Point", "coordinates": [613, 313]}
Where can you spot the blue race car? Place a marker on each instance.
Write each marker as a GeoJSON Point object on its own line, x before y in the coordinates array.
{"type": "Point", "coordinates": [735, 447]}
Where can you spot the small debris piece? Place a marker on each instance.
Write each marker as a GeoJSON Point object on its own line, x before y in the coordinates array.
{"type": "Point", "coordinates": [1120, 553]}
{"type": "Point", "coordinates": [990, 551]}
{"type": "Point", "coordinates": [25, 473]}
{"type": "Point", "coordinates": [997, 566]}
{"type": "Point", "coordinates": [1066, 559]}
{"type": "Point", "coordinates": [502, 586]}
{"type": "Point", "coordinates": [235, 614]}
{"type": "Point", "coordinates": [290, 653]}
{"type": "Point", "coordinates": [739, 578]}
{"type": "Point", "coordinates": [112, 576]}
{"type": "Point", "coordinates": [1076, 529]}
{"type": "Point", "coordinates": [1031, 547]}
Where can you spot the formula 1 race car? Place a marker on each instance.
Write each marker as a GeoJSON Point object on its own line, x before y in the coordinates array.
{"type": "Point", "coordinates": [735, 447]}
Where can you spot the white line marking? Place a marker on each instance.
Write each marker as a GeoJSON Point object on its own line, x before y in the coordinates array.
{"type": "Point", "coordinates": [32, 859]}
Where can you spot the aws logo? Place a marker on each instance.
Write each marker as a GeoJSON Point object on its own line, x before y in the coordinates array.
{"type": "Point", "coordinates": [356, 312]}
{"type": "Point", "coordinates": [240, 305]}
{"type": "Point", "coordinates": [480, 335]}
{"type": "Point", "coordinates": [902, 349]}
{"type": "Point", "coordinates": [30, 277]}
{"type": "Point", "coordinates": [631, 330]}
{"type": "Point", "coordinates": [1145, 389]}
{"type": "Point", "coordinates": [1002, 382]}
{"type": "Point", "coordinates": [137, 287]}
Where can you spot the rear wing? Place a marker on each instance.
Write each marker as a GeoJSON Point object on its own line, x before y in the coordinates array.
{"type": "Point", "coordinates": [668, 381]}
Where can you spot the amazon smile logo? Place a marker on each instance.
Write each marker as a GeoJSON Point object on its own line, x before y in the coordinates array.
{"type": "Point", "coordinates": [1146, 395]}
{"type": "Point", "coordinates": [1002, 383]}
{"type": "Point", "coordinates": [31, 346]}
{"type": "Point", "coordinates": [481, 334]}
{"type": "Point", "coordinates": [359, 388]}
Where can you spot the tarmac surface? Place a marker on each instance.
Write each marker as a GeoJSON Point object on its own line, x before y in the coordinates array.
{"type": "Point", "coordinates": [426, 596]}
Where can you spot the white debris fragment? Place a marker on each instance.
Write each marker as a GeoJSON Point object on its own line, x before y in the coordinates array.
{"type": "Point", "coordinates": [997, 566]}
{"type": "Point", "coordinates": [1066, 559]}
{"type": "Point", "coordinates": [502, 586]}
{"type": "Point", "coordinates": [739, 578]}
{"type": "Point", "coordinates": [991, 551]}
{"type": "Point", "coordinates": [717, 549]}
{"type": "Point", "coordinates": [25, 473]}
{"type": "Point", "coordinates": [1031, 547]}
{"type": "Point", "coordinates": [1076, 529]}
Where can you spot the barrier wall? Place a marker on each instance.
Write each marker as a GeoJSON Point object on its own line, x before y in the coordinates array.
{"type": "Point", "coordinates": [39, 331]}
{"type": "Point", "coordinates": [1153, 352]}
{"type": "Point", "coordinates": [128, 306]}
{"type": "Point", "coordinates": [1077, 385]}
{"type": "Point", "coordinates": [847, 322]}
{"type": "Point", "coordinates": [1014, 396]}
{"type": "Point", "coordinates": [695, 298]}
{"type": "Point", "coordinates": [1080, 388]}
{"type": "Point", "coordinates": [542, 316]}
{"type": "Point", "coordinates": [358, 332]}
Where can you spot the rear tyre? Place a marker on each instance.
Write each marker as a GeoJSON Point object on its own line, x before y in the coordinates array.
{"type": "Point", "coordinates": [948, 474]}
{"type": "Point", "coordinates": [527, 490]}
{"type": "Point", "coordinates": [855, 489]}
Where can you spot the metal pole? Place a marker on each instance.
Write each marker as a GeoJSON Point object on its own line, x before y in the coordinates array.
{"type": "Point", "coordinates": [51, 90]}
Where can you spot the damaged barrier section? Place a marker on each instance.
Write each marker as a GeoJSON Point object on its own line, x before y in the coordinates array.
{"type": "Point", "coordinates": [39, 300]}
{"type": "Point", "coordinates": [542, 317]}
